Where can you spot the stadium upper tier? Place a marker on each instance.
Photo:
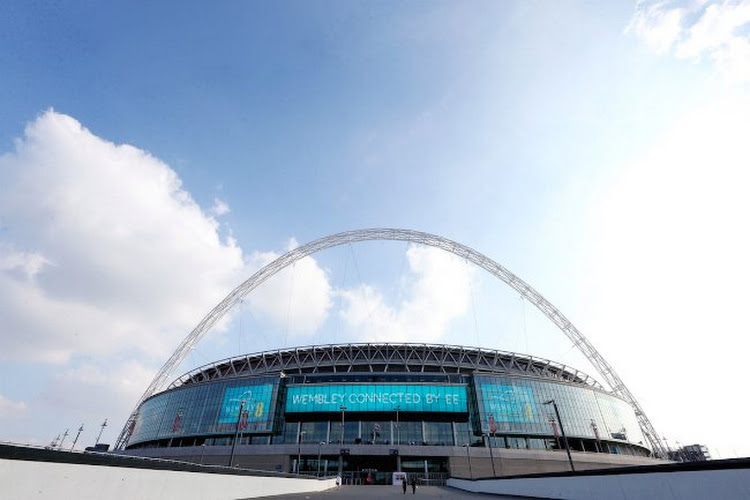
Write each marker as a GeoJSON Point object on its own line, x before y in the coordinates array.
{"type": "Point", "coordinates": [384, 358]}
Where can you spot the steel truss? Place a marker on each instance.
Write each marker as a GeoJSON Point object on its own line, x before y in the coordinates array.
{"type": "Point", "coordinates": [390, 234]}
{"type": "Point", "coordinates": [384, 358]}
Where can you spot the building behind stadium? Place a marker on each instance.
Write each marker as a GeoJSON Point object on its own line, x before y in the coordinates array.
{"type": "Point", "coordinates": [365, 411]}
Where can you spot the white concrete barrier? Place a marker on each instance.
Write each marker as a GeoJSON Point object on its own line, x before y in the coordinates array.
{"type": "Point", "coordinates": [25, 479]}
{"type": "Point", "coordinates": [676, 485]}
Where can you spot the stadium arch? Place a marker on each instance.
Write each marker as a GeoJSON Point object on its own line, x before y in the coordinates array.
{"type": "Point", "coordinates": [605, 370]}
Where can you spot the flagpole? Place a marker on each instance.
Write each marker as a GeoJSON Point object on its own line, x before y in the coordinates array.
{"type": "Point", "coordinates": [562, 431]}
{"type": "Point", "coordinates": [236, 432]}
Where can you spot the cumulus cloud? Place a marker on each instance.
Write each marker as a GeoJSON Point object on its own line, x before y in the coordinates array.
{"type": "Point", "coordinates": [297, 299]}
{"type": "Point", "coordinates": [717, 30]}
{"type": "Point", "coordinates": [101, 249]}
{"type": "Point", "coordinates": [106, 263]}
{"type": "Point", "coordinates": [437, 291]}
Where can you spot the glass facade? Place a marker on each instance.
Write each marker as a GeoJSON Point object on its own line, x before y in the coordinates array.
{"type": "Point", "coordinates": [209, 409]}
{"type": "Point", "coordinates": [484, 410]}
{"type": "Point", "coordinates": [508, 405]}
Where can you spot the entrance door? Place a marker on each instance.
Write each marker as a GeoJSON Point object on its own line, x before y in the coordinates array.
{"type": "Point", "coordinates": [367, 470]}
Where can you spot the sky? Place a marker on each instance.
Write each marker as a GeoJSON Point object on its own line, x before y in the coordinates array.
{"type": "Point", "coordinates": [154, 155]}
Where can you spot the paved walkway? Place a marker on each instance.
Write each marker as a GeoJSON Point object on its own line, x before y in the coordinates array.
{"type": "Point", "coordinates": [386, 492]}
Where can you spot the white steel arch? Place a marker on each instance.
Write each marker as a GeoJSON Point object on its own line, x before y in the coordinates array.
{"type": "Point", "coordinates": [391, 234]}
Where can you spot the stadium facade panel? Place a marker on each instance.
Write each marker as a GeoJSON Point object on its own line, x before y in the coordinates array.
{"type": "Point", "coordinates": [388, 407]}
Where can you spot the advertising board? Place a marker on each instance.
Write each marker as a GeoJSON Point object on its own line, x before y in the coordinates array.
{"type": "Point", "coordinates": [377, 397]}
{"type": "Point", "coordinates": [255, 401]}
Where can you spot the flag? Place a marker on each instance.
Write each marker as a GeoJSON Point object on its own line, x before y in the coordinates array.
{"type": "Point", "coordinates": [243, 420]}
{"type": "Point", "coordinates": [493, 424]}
{"type": "Point", "coordinates": [177, 422]}
{"type": "Point", "coordinates": [553, 423]}
{"type": "Point", "coordinates": [596, 431]}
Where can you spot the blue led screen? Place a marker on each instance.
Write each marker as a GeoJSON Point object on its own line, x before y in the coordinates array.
{"type": "Point", "coordinates": [257, 403]}
{"type": "Point", "coordinates": [377, 397]}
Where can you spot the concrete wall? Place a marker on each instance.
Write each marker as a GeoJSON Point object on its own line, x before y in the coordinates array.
{"type": "Point", "coordinates": [516, 462]}
{"type": "Point", "coordinates": [508, 462]}
{"type": "Point", "coordinates": [716, 483]}
{"type": "Point", "coordinates": [23, 479]}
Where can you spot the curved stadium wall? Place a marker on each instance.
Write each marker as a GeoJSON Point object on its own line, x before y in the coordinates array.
{"type": "Point", "coordinates": [387, 407]}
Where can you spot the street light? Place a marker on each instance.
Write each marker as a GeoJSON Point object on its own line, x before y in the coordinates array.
{"type": "Point", "coordinates": [100, 432]}
{"type": "Point", "coordinates": [80, 430]}
{"type": "Point", "coordinates": [343, 409]}
{"type": "Point", "coordinates": [319, 445]}
{"type": "Point", "coordinates": [562, 431]}
{"type": "Point", "coordinates": [398, 427]}
{"type": "Point", "coordinates": [299, 450]}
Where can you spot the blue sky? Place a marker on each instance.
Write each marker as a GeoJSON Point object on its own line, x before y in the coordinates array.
{"type": "Point", "coordinates": [154, 155]}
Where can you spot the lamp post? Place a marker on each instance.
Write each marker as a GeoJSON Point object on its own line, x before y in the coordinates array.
{"type": "Point", "coordinates": [468, 457]}
{"type": "Point", "coordinates": [343, 409]}
{"type": "Point", "coordinates": [341, 457]}
{"type": "Point", "coordinates": [562, 431]}
{"type": "Point", "coordinates": [299, 450]}
{"type": "Point", "coordinates": [80, 430]}
{"type": "Point", "coordinates": [398, 427]}
{"type": "Point", "coordinates": [319, 445]}
{"type": "Point", "coordinates": [104, 424]}
{"type": "Point", "coordinates": [59, 446]}
{"type": "Point", "coordinates": [236, 432]}
{"type": "Point", "coordinates": [492, 457]}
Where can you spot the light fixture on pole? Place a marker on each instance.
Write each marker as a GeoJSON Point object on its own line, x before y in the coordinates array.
{"type": "Point", "coordinates": [59, 446]}
{"type": "Point", "coordinates": [80, 430]}
{"type": "Point", "coordinates": [562, 431]}
{"type": "Point", "coordinates": [319, 445]}
{"type": "Point", "coordinates": [104, 424]}
{"type": "Point", "coordinates": [343, 409]}
{"type": "Point", "coordinates": [398, 427]}
{"type": "Point", "coordinates": [299, 450]}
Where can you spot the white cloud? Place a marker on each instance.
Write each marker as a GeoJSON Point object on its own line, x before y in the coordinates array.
{"type": "Point", "coordinates": [106, 263]}
{"type": "Point", "coordinates": [10, 408]}
{"type": "Point", "coordinates": [101, 249]}
{"type": "Point", "coordinates": [297, 298]}
{"type": "Point", "coordinates": [717, 30]}
{"type": "Point", "coordinates": [220, 207]}
{"type": "Point", "coordinates": [437, 291]}
{"type": "Point", "coordinates": [657, 24]}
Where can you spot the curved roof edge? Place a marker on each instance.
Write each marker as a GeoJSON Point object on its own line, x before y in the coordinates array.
{"type": "Point", "coordinates": [384, 357]}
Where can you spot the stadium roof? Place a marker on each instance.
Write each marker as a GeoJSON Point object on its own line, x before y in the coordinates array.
{"type": "Point", "coordinates": [384, 358]}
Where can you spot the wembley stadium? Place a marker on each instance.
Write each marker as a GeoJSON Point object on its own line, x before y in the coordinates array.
{"type": "Point", "coordinates": [366, 411]}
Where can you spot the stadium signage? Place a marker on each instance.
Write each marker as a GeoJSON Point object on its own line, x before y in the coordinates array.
{"type": "Point", "coordinates": [253, 400]}
{"type": "Point", "coordinates": [377, 397]}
